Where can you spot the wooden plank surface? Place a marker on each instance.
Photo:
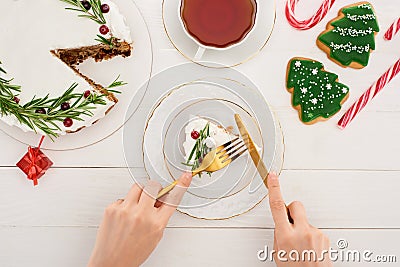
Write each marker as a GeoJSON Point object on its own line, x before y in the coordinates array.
{"type": "Point", "coordinates": [347, 180]}
{"type": "Point", "coordinates": [59, 246]}
{"type": "Point", "coordinates": [77, 197]}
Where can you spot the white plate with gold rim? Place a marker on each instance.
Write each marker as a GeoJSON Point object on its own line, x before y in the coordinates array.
{"type": "Point", "coordinates": [236, 189]}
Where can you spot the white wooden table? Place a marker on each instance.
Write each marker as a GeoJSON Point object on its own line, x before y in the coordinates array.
{"type": "Point", "coordinates": [348, 180]}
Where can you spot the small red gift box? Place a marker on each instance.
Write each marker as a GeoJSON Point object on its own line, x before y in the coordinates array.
{"type": "Point", "coordinates": [34, 164]}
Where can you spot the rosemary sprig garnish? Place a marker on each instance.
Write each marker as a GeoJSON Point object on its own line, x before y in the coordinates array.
{"type": "Point", "coordinates": [96, 14]}
{"type": "Point", "coordinates": [103, 40]}
{"type": "Point", "coordinates": [27, 114]}
{"type": "Point", "coordinates": [6, 86]}
{"type": "Point", "coordinates": [116, 83]}
{"type": "Point", "coordinates": [199, 150]}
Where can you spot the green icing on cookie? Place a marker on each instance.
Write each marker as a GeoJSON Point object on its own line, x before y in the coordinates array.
{"type": "Point", "coordinates": [353, 35]}
{"type": "Point", "coordinates": [315, 90]}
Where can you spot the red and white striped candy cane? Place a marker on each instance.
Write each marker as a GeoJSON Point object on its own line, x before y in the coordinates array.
{"type": "Point", "coordinates": [369, 95]}
{"type": "Point", "coordinates": [311, 22]}
{"type": "Point", "coordinates": [394, 28]}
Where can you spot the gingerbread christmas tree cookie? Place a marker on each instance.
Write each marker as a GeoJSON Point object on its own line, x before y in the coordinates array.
{"type": "Point", "coordinates": [350, 38]}
{"type": "Point", "coordinates": [316, 93]}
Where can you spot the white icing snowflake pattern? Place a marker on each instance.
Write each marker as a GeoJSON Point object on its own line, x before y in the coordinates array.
{"type": "Point", "coordinates": [304, 90]}
{"type": "Point", "coordinates": [314, 101]}
{"type": "Point", "coordinates": [366, 6]}
{"type": "Point", "coordinates": [364, 18]}
{"type": "Point", "coordinates": [349, 47]}
{"type": "Point", "coordinates": [352, 31]}
{"type": "Point", "coordinates": [329, 86]}
{"type": "Point", "coordinates": [344, 90]}
{"type": "Point", "coordinates": [297, 64]}
{"type": "Point", "coordinates": [315, 71]}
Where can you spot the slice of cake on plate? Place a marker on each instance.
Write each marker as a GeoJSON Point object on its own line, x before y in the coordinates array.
{"type": "Point", "coordinates": [201, 137]}
{"type": "Point", "coordinates": [49, 40]}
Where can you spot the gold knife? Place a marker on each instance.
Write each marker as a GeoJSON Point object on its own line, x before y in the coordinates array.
{"type": "Point", "coordinates": [255, 156]}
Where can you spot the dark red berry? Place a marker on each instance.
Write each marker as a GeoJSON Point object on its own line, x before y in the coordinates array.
{"type": "Point", "coordinates": [86, 5]}
{"type": "Point", "coordinates": [105, 8]}
{"type": "Point", "coordinates": [16, 99]}
{"type": "Point", "coordinates": [86, 94]}
{"type": "Point", "coordinates": [41, 111]}
{"type": "Point", "coordinates": [104, 29]}
{"type": "Point", "coordinates": [65, 106]}
{"type": "Point", "coordinates": [68, 122]}
{"type": "Point", "coordinates": [195, 134]}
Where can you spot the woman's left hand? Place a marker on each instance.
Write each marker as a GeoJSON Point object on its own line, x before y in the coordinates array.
{"type": "Point", "coordinates": [132, 228]}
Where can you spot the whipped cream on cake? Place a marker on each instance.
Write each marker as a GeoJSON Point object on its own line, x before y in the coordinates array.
{"type": "Point", "coordinates": [116, 22]}
{"type": "Point", "coordinates": [46, 43]}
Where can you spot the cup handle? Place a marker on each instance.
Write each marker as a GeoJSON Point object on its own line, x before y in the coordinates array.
{"type": "Point", "coordinates": [199, 53]}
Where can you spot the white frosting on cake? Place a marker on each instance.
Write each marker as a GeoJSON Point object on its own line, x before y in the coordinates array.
{"type": "Point", "coordinates": [116, 22]}
{"type": "Point", "coordinates": [218, 134]}
{"type": "Point", "coordinates": [29, 30]}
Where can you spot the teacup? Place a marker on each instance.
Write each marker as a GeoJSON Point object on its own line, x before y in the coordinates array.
{"type": "Point", "coordinates": [217, 24]}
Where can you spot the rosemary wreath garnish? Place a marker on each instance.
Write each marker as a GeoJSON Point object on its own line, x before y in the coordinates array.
{"type": "Point", "coordinates": [28, 113]}
{"type": "Point", "coordinates": [199, 150]}
{"type": "Point", "coordinates": [96, 15]}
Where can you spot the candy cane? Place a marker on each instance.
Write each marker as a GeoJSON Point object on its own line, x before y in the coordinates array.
{"type": "Point", "coordinates": [394, 28]}
{"type": "Point", "coordinates": [309, 23]}
{"type": "Point", "coordinates": [369, 95]}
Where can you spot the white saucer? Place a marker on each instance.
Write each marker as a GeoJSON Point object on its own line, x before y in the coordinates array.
{"type": "Point", "coordinates": [202, 200]}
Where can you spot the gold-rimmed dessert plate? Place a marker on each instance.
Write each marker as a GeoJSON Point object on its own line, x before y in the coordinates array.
{"type": "Point", "coordinates": [190, 89]}
{"type": "Point", "coordinates": [228, 192]}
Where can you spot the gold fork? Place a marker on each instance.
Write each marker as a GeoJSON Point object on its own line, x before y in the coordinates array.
{"type": "Point", "coordinates": [215, 160]}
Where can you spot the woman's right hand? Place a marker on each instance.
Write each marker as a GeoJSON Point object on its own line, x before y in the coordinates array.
{"type": "Point", "coordinates": [299, 236]}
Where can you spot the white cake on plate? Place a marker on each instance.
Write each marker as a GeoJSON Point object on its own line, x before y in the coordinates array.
{"type": "Point", "coordinates": [46, 41]}
{"type": "Point", "coordinates": [209, 134]}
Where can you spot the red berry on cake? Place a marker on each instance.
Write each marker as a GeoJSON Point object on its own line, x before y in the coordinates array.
{"type": "Point", "coordinates": [86, 5]}
{"type": "Point", "coordinates": [86, 94]}
{"type": "Point", "coordinates": [41, 111]}
{"type": "Point", "coordinates": [104, 29]}
{"type": "Point", "coordinates": [16, 100]}
{"type": "Point", "coordinates": [65, 106]}
{"type": "Point", "coordinates": [195, 134]}
{"type": "Point", "coordinates": [105, 8]}
{"type": "Point", "coordinates": [68, 122]}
